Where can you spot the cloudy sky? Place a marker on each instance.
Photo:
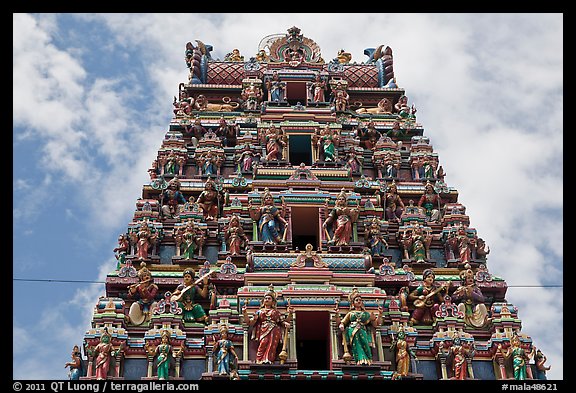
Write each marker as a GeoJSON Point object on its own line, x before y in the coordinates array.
{"type": "Point", "coordinates": [92, 99]}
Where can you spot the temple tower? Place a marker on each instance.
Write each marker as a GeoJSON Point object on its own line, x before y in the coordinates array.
{"type": "Point", "coordinates": [297, 225]}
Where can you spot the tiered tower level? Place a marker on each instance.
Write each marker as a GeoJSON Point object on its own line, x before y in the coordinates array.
{"type": "Point", "coordinates": [297, 217]}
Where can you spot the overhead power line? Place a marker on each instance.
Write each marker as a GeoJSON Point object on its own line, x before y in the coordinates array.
{"type": "Point", "coordinates": [103, 282]}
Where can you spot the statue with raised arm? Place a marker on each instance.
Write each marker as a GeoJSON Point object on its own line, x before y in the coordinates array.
{"type": "Point", "coordinates": [75, 365]}
{"type": "Point", "coordinates": [341, 219]}
{"type": "Point", "coordinates": [268, 324]}
{"type": "Point", "coordinates": [355, 328]}
{"type": "Point", "coordinates": [271, 223]}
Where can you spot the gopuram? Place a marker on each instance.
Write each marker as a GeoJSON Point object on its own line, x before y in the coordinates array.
{"type": "Point", "coordinates": [297, 226]}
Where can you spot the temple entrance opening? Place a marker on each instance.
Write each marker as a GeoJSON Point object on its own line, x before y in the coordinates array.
{"type": "Point", "coordinates": [313, 340]}
{"type": "Point", "coordinates": [296, 93]}
{"type": "Point", "coordinates": [305, 227]}
{"type": "Point", "coordinates": [300, 148]}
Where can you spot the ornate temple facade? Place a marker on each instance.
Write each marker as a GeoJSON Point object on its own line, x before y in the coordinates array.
{"type": "Point", "coordinates": [297, 225]}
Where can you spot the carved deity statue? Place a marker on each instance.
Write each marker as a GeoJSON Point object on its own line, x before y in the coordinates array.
{"type": "Point", "coordinates": [340, 219]}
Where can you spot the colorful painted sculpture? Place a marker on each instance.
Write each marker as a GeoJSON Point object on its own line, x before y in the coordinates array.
{"type": "Point", "coordinates": [393, 203]}
{"type": "Point", "coordinates": [460, 353]}
{"type": "Point", "coordinates": [209, 199]}
{"type": "Point", "coordinates": [340, 219]}
{"type": "Point", "coordinates": [276, 88]}
{"type": "Point", "coordinates": [235, 237]}
{"type": "Point", "coordinates": [403, 353]}
{"type": "Point", "coordinates": [224, 352]}
{"type": "Point", "coordinates": [375, 241]}
{"type": "Point", "coordinates": [186, 293]}
{"type": "Point", "coordinates": [318, 88]}
{"type": "Point", "coordinates": [268, 324]}
{"type": "Point", "coordinates": [75, 365]}
{"type": "Point", "coordinates": [190, 240]}
{"type": "Point", "coordinates": [274, 144]}
{"type": "Point", "coordinates": [122, 250]}
{"type": "Point", "coordinates": [519, 357]}
{"type": "Point", "coordinates": [355, 329]}
{"type": "Point", "coordinates": [144, 239]}
{"type": "Point", "coordinates": [144, 292]}
{"type": "Point", "coordinates": [431, 202]}
{"type": "Point", "coordinates": [270, 221]}
{"type": "Point", "coordinates": [105, 352]}
{"type": "Point", "coordinates": [470, 300]}
{"type": "Point", "coordinates": [426, 298]}
{"type": "Point", "coordinates": [172, 198]}
{"type": "Point", "coordinates": [541, 368]}
{"type": "Point", "coordinates": [163, 352]}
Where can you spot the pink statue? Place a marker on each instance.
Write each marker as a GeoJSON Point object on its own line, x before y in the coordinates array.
{"type": "Point", "coordinates": [235, 236]}
{"type": "Point", "coordinates": [144, 240]}
{"type": "Point", "coordinates": [208, 200]}
{"type": "Point", "coordinates": [274, 144]}
{"type": "Point", "coordinates": [318, 89]}
{"type": "Point", "coordinates": [341, 218]}
{"type": "Point", "coordinates": [269, 324]}
{"type": "Point", "coordinates": [105, 352]}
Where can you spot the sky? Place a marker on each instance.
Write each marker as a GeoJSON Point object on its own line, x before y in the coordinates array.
{"type": "Point", "coordinates": [92, 100]}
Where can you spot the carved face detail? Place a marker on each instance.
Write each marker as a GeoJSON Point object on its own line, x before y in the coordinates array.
{"type": "Point", "coordinates": [429, 278]}
{"type": "Point", "coordinates": [358, 302]}
{"type": "Point", "coordinates": [268, 301]}
{"type": "Point", "coordinates": [187, 279]}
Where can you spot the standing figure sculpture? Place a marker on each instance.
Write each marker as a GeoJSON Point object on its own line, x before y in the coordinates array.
{"type": "Point", "coordinates": [541, 368]}
{"type": "Point", "coordinates": [209, 200]}
{"type": "Point", "coordinates": [144, 240]}
{"type": "Point", "coordinates": [431, 202]}
{"type": "Point", "coordinates": [327, 145]}
{"type": "Point", "coordinates": [252, 95]}
{"type": "Point", "coordinates": [274, 144]}
{"type": "Point", "coordinates": [464, 244]}
{"type": "Point", "coordinates": [105, 352]}
{"type": "Point", "coordinates": [185, 295]}
{"type": "Point", "coordinates": [190, 239]}
{"type": "Point", "coordinates": [269, 324]}
{"type": "Point", "coordinates": [341, 219]}
{"type": "Point", "coordinates": [393, 203]}
{"type": "Point", "coordinates": [225, 353]}
{"type": "Point", "coordinates": [122, 250]}
{"type": "Point", "coordinates": [426, 299]}
{"type": "Point", "coordinates": [318, 88]}
{"type": "Point", "coordinates": [355, 329]}
{"type": "Point", "coordinates": [270, 220]}
{"type": "Point", "coordinates": [341, 98]}
{"type": "Point", "coordinates": [375, 241]}
{"type": "Point", "coordinates": [75, 365]}
{"type": "Point", "coordinates": [163, 352]}
{"type": "Point", "coordinates": [234, 236]}
{"type": "Point", "coordinates": [144, 292]}
{"type": "Point", "coordinates": [276, 88]}
{"type": "Point", "coordinates": [519, 357]}
{"type": "Point", "coordinates": [470, 300]}
{"type": "Point", "coordinates": [460, 353]}
{"type": "Point", "coordinates": [416, 244]}
{"type": "Point", "coordinates": [403, 353]}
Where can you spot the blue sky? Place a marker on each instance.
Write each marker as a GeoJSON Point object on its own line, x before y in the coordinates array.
{"type": "Point", "coordinates": [92, 99]}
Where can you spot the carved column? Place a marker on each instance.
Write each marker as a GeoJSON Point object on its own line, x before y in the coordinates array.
{"type": "Point", "coordinates": [89, 374]}
{"type": "Point", "coordinates": [150, 359]}
{"type": "Point", "coordinates": [379, 345]}
{"type": "Point", "coordinates": [210, 357]}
